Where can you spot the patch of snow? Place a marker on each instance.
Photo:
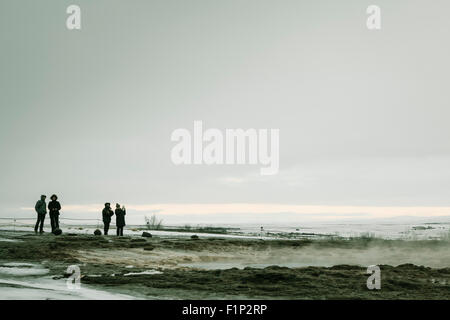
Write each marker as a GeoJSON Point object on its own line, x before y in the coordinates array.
{"type": "Point", "coordinates": [20, 264]}
{"type": "Point", "coordinates": [9, 240]}
{"type": "Point", "coordinates": [47, 288]}
{"type": "Point", "coordinates": [22, 269]}
{"type": "Point", "coordinates": [143, 272]}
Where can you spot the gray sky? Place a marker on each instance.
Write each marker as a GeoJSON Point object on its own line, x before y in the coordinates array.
{"type": "Point", "coordinates": [363, 115]}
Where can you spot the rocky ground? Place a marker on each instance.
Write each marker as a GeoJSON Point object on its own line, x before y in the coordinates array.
{"type": "Point", "coordinates": [173, 268]}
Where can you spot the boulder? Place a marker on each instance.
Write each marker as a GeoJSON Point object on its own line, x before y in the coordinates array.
{"type": "Point", "coordinates": [146, 234]}
{"type": "Point", "coordinates": [194, 237]}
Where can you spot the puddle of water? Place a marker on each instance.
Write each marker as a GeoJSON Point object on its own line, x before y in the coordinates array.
{"type": "Point", "coordinates": [30, 281]}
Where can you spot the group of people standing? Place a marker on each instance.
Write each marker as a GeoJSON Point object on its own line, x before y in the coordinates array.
{"type": "Point", "coordinates": [120, 213]}
{"type": "Point", "coordinates": [54, 207]}
{"type": "Point", "coordinates": [41, 208]}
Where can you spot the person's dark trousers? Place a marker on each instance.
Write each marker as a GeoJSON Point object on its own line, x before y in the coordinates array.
{"type": "Point", "coordinates": [54, 221]}
{"type": "Point", "coordinates": [120, 231]}
{"type": "Point", "coordinates": [106, 228]}
{"type": "Point", "coordinates": [40, 222]}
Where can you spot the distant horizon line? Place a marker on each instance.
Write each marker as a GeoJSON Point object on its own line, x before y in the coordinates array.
{"type": "Point", "coordinates": [269, 208]}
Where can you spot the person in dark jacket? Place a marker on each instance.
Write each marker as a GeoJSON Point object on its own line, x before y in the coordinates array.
{"type": "Point", "coordinates": [120, 219]}
{"type": "Point", "coordinates": [41, 210]}
{"type": "Point", "coordinates": [107, 213]}
{"type": "Point", "coordinates": [53, 208]}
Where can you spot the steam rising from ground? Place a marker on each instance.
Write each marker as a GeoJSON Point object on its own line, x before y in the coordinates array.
{"type": "Point", "coordinates": [316, 254]}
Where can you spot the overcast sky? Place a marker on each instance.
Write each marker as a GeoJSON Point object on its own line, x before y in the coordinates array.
{"type": "Point", "coordinates": [363, 115]}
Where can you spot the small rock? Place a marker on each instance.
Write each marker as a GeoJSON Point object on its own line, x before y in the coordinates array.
{"type": "Point", "coordinates": [57, 232]}
{"type": "Point", "coordinates": [146, 234]}
{"type": "Point", "coordinates": [194, 237]}
{"type": "Point", "coordinates": [97, 232]}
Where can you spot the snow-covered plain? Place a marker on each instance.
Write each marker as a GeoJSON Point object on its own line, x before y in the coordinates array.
{"type": "Point", "coordinates": [406, 229]}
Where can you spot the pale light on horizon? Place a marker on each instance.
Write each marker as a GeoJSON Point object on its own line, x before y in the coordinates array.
{"type": "Point", "coordinates": [269, 208]}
